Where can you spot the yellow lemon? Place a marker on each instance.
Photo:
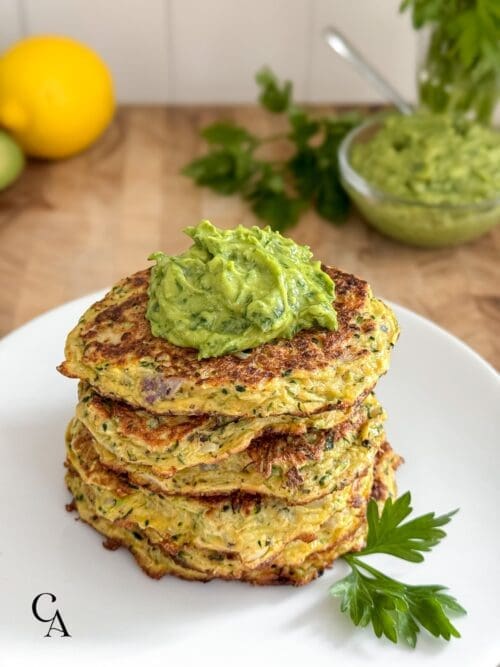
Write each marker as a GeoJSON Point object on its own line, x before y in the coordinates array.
{"type": "Point", "coordinates": [56, 95]}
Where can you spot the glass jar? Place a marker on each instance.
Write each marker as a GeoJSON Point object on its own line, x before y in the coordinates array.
{"type": "Point", "coordinates": [445, 83]}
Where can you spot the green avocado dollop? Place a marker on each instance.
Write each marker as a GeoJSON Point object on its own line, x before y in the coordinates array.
{"type": "Point", "coordinates": [235, 289]}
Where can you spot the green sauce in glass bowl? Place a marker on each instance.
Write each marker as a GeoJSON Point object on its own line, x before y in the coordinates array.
{"type": "Point", "coordinates": [425, 179]}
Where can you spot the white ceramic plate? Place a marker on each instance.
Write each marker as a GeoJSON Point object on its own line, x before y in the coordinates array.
{"type": "Point", "coordinates": [443, 403]}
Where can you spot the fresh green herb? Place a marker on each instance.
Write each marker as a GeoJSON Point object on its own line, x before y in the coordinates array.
{"type": "Point", "coordinates": [153, 422]}
{"type": "Point", "coordinates": [462, 63]}
{"type": "Point", "coordinates": [395, 609]}
{"type": "Point", "coordinates": [272, 96]}
{"type": "Point", "coordinates": [278, 191]}
{"type": "Point", "coordinates": [329, 442]}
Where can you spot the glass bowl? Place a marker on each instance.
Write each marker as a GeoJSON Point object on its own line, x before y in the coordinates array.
{"type": "Point", "coordinates": [411, 221]}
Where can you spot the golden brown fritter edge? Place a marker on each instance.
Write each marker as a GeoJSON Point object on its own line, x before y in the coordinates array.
{"type": "Point", "coordinates": [113, 348]}
{"type": "Point", "coordinates": [384, 486]}
{"type": "Point", "coordinates": [114, 419]}
{"type": "Point", "coordinates": [308, 350]}
{"type": "Point", "coordinates": [290, 444]}
{"type": "Point", "coordinates": [264, 452]}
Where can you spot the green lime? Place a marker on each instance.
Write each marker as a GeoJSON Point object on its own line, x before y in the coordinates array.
{"type": "Point", "coordinates": [11, 160]}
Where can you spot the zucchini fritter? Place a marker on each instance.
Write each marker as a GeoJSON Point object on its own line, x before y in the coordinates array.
{"type": "Point", "coordinates": [169, 444]}
{"type": "Point", "coordinates": [296, 467]}
{"type": "Point", "coordinates": [298, 563]}
{"type": "Point", "coordinates": [113, 349]}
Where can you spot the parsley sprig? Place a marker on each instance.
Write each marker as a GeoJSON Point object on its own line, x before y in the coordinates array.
{"type": "Point", "coordinates": [462, 62]}
{"type": "Point", "coordinates": [395, 609]}
{"type": "Point", "coordinates": [279, 190]}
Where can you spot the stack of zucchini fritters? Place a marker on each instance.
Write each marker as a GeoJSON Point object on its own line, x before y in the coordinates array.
{"type": "Point", "coordinates": [255, 466]}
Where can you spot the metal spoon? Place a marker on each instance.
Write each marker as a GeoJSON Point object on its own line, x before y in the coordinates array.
{"type": "Point", "coordinates": [344, 48]}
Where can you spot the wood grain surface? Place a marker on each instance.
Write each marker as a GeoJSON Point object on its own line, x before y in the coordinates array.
{"type": "Point", "coordinates": [71, 227]}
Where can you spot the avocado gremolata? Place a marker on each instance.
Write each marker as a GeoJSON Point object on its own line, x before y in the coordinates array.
{"type": "Point", "coordinates": [235, 289]}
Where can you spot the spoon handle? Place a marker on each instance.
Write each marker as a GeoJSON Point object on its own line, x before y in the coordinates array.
{"type": "Point", "coordinates": [344, 48]}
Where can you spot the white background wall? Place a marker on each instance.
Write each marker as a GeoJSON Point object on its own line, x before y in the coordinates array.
{"type": "Point", "coordinates": [209, 50]}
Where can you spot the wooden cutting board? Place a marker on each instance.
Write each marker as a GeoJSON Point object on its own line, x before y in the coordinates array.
{"type": "Point", "coordinates": [71, 227]}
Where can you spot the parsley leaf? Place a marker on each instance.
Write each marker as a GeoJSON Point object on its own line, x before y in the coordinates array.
{"type": "Point", "coordinates": [273, 96]}
{"type": "Point", "coordinates": [395, 609]}
{"type": "Point", "coordinates": [278, 209]}
{"type": "Point", "coordinates": [228, 135]}
{"type": "Point", "coordinates": [303, 127]}
{"type": "Point", "coordinates": [314, 168]}
{"type": "Point", "coordinates": [407, 541]}
{"type": "Point", "coordinates": [270, 201]}
{"type": "Point", "coordinates": [460, 71]}
{"type": "Point", "coordinates": [225, 171]}
{"type": "Point", "coordinates": [278, 191]}
{"type": "Point", "coordinates": [230, 164]}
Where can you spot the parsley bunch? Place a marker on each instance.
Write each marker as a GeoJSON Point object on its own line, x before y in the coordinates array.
{"type": "Point", "coordinates": [395, 609]}
{"type": "Point", "coordinates": [462, 64]}
{"type": "Point", "coordinates": [278, 191]}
